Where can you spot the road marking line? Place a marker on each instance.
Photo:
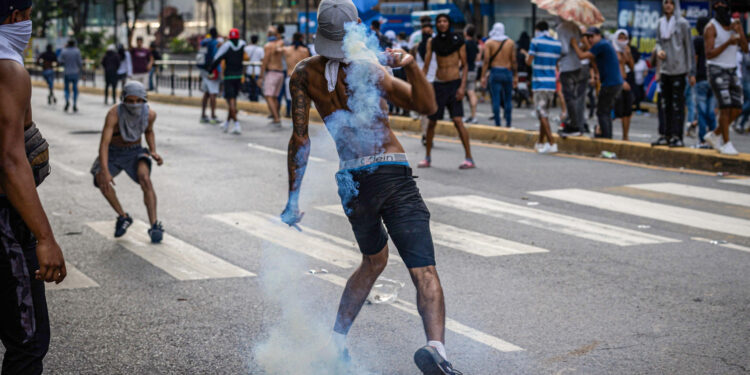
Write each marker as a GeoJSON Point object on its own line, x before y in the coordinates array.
{"type": "Point", "coordinates": [464, 240]}
{"type": "Point", "coordinates": [280, 152]}
{"type": "Point", "coordinates": [310, 242]}
{"type": "Point", "coordinates": [74, 280]}
{"type": "Point", "coordinates": [728, 245]}
{"type": "Point", "coordinates": [741, 181]}
{"type": "Point", "coordinates": [66, 168]}
{"type": "Point", "coordinates": [180, 259]}
{"type": "Point", "coordinates": [569, 225]}
{"type": "Point", "coordinates": [656, 211]}
{"type": "Point", "coordinates": [450, 324]}
{"type": "Point", "coordinates": [716, 195]}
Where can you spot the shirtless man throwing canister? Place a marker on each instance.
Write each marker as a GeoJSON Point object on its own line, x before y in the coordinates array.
{"type": "Point", "coordinates": [374, 169]}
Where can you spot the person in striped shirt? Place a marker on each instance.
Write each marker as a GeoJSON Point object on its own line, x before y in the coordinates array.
{"type": "Point", "coordinates": [543, 56]}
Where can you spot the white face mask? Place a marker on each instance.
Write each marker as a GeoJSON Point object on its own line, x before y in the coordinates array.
{"type": "Point", "coordinates": [14, 38]}
{"type": "Point", "coordinates": [622, 44]}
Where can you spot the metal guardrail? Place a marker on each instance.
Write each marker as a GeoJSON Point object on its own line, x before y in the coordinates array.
{"type": "Point", "coordinates": [174, 79]}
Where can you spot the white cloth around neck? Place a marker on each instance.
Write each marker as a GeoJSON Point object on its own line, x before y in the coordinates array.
{"type": "Point", "coordinates": [666, 28]}
{"type": "Point", "coordinates": [332, 72]}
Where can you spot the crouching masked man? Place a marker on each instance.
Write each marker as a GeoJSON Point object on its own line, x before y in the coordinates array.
{"type": "Point", "coordinates": [120, 150]}
{"type": "Point", "coordinates": [29, 254]}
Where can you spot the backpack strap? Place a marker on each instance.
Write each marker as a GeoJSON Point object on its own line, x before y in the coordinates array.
{"type": "Point", "coordinates": [492, 58]}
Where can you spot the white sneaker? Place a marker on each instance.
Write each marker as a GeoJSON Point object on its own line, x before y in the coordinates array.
{"type": "Point", "coordinates": [538, 146]}
{"type": "Point", "coordinates": [714, 140]}
{"type": "Point", "coordinates": [552, 149]}
{"type": "Point", "coordinates": [225, 127]}
{"type": "Point", "coordinates": [237, 129]}
{"type": "Point", "coordinates": [544, 149]}
{"type": "Point", "coordinates": [728, 149]}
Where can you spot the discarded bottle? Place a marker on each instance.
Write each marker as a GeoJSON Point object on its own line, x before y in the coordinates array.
{"type": "Point", "coordinates": [609, 155]}
{"type": "Point", "coordinates": [384, 291]}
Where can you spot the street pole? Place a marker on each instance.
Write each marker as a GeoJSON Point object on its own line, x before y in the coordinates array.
{"type": "Point", "coordinates": [162, 26]}
{"type": "Point", "coordinates": [307, 21]}
{"type": "Point", "coordinates": [244, 19]}
{"type": "Point", "coordinates": [533, 17]}
{"type": "Point", "coordinates": [114, 10]}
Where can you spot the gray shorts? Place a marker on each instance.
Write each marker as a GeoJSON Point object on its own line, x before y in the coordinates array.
{"type": "Point", "coordinates": [124, 159]}
{"type": "Point", "coordinates": [726, 86]}
{"type": "Point", "coordinates": [209, 85]}
{"type": "Point", "coordinates": [543, 102]}
{"type": "Point", "coordinates": [471, 81]}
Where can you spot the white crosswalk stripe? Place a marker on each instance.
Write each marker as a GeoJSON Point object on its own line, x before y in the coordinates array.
{"type": "Point", "coordinates": [741, 181]}
{"type": "Point", "coordinates": [697, 192]}
{"type": "Point", "coordinates": [450, 324]}
{"type": "Point", "coordinates": [464, 240]}
{"type": "Point", "coordinates": [181, 260]}
{"type": "Point", "coordinates": [319, 245]}
{"type": "Point", "coordinates": [74, 280]}
{"type": "Point", "coordinates": [569, 225]}
{"type": "Point", "coordinates": [728, 245]}
{"type": "Point", "coordinates": [651, 210]}
{"type": "Point", "coordinates": [279, 152]}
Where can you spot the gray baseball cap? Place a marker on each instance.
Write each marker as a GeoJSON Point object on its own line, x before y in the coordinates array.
{"type": "Point", "coordinates": [332, 15]}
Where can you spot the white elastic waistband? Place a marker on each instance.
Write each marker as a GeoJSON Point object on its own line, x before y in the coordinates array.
{"type": "Point", "coordinates": [373, 159]}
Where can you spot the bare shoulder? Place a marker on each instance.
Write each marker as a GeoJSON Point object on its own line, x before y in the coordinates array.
{"type": "Point", "coordinates": [14, 77]}
{"type": "Point", "coordinates": [151, 115]}
{"type": "Point", "coordinates": [304, 66]}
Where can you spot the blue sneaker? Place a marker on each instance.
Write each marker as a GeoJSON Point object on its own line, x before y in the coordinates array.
{"type": "Point", "coordinates": [430, 362]}
{"type": "Point", "coordinates": [156, 232]}
{"type": "Point", "coordinates": [122, 224]}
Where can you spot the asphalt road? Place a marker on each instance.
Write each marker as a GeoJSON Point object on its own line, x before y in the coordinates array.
{"type": "Point", "coordinates": [550, 264]}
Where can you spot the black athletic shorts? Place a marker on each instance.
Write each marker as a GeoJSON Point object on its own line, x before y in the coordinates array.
{"type": "Point", "coordinates": [624, 104]}
{"type": "Point", "coordinates": [232, 88]}
{"type": "Point", "coordinates": [388, 194]}
{"type": "Point", "coordinates": [445, 95]}
{"type": "Point", "coordinates": [726, 86]}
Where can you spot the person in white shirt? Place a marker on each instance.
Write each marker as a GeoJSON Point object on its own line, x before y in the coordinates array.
{"type": "Point", "coordinates": [255, 54]}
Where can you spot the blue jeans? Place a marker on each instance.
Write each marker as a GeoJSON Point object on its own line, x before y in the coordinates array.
{"type": "Point", "coordinates": [501, 89]}
{"type": "Point", "coordinates": [746, 107]}
{"type": "Point", "coordinates": [49, 77]}
{"type": "Point", "coordinates": [690, 103]}
{"type": "Point", "coordinates": [71, 79]}
{"type": "Point", "coordinates": [151, 78]}
{"type": "Point", "coordinates": [705, 102]}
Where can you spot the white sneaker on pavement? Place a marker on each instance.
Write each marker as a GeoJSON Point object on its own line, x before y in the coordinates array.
{"type": "Point", "coordinates": [714, 140]}
{"type": "Point", "coordinates": [552, 149]}
{"type": "Point", "coordinates": [728, 149]}
{"type": "Point", "coordinates": [544, 149]}
{"type": "Point", "coordinates": [225, 127]}
{"type": "Point", "coordinates": [236, 129]}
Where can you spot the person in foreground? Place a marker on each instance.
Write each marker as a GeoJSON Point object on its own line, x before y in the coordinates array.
{"type": "Point", "coordinates": [120, 149]}
{"type": "Point", "coordinates": [29, 254]}
{"type": "Point", "coordinates": [375, 181]}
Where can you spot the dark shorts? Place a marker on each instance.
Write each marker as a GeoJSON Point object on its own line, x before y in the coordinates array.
{"type": "Point", "coordinates": [232, 88]}
{"type": "Point", "coordinates": [24, 323]}
{"type": "Point", "coordinates": [124, 159]}
{"type": "Point", "coordinates": [624, 104]}
{"type": "Point", "coordinates": [727, 87]}
{"type": "Point", "coordinates": [445, 95]}
{"type": "Point", "coordinates": [388, 195]}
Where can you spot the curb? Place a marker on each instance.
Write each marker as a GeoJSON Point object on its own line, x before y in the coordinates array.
{"type": "Point", "coordinates": [688, 158]}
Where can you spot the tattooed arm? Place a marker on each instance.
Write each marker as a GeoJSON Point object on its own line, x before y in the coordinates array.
{"type": "Point", "coordinates": [299, 143]}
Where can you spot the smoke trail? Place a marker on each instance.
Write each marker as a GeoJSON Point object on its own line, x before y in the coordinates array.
{"type": "Point", "coordinates": [361, 129]}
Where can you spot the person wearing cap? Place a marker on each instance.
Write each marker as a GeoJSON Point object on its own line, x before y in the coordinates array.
{"type": "Point", "coordinates": [29, 253]}
{"type": "Point", "coordinates": [233, 55]}
{"type": "Point", "coordinates": [142, 60]}
{"type": "Point", "coordinates": [722, 39]}
{"type": "Point", "coordinates": [272, 74]}
{"type": "Point", "coordinates": [120, 150]}
{"type": "Point", "coordinates": [608, 65]}
{"type": "Point", "coordinates": [373, 160]}
{"type": "Point", "coordinates": [450, 85]}
{"type": "Point", "coordinates": [674, 49]}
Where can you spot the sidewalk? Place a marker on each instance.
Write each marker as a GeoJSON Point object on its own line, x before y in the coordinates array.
{"type": "Point", "coordinates": [524, 134]}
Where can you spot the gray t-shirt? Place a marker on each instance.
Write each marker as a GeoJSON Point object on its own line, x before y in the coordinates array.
{"type": "Point", "coordinates": [569, 61]}
{"type": "Point", "coordinates": [70, 58]}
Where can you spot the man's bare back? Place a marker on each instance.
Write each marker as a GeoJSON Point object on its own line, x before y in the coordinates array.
{"type": "Point", "coordinates": [506, 58]}
{"type": "Point", "coordinates": [309, 77]}
{"type": "Point", "coordinates": [294, 55]}
{"type": "Point", "coordinates": [274, 55]}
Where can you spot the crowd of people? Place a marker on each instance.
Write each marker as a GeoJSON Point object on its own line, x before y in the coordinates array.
{"type": "Point", "coordinates": [702, 82]}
